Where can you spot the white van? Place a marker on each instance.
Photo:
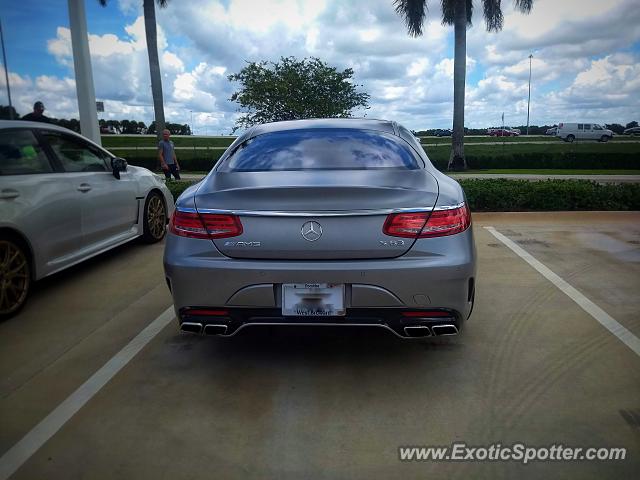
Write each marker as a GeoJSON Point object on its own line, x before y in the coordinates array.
{"type": "Point", "coordinates": [583, 131]}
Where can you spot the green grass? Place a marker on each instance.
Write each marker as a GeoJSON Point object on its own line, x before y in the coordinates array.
{"type": "Point", "coordinates": [147, 141]}
{"type": "Point", "coordinates": [547, 138]}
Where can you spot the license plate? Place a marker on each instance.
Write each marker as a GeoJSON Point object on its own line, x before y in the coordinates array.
{"type": "Point", "coordinates": [312, 299]}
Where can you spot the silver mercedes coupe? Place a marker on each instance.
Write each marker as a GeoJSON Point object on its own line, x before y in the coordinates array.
{"type": "Point", "coordinates": [330, 222]}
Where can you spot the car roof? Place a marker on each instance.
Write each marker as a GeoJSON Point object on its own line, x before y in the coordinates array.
{"type": "Point", "coordinates": [6, 124]}
{"type": "Point", "coordinates": [24, 124]}
{"type": "Point", "coordinates": [352, 123]}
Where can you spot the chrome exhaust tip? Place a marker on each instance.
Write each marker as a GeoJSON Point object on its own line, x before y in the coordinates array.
{"type": "Point", "coordinates": [191, 327]}
{"type": "Point", "coordinates": [417, 331]}
{"type": "Point", "coordinates": [442, 330]}
{"type": "Point", "coordinates": [215, 329]}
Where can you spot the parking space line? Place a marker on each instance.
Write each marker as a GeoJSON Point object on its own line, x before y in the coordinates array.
{"type": "Point", "coordinates": [17, 455]}
{"type": "Point", "coordinates": [606, 320]}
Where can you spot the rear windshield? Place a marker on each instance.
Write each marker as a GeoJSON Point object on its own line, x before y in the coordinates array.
{"type": "Point", "coordinates": [321, 149]}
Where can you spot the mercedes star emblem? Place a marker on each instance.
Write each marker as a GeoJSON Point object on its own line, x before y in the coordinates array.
{"type": "Point", "coordinates": [311, 231]}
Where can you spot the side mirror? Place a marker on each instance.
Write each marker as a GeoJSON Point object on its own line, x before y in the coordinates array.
{"type": "Point", "coordinates": [118, 165]}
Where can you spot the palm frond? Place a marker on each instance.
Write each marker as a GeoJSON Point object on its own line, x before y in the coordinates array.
{"type": "Point", "coordinates": [103, 3]}
{"type": "Point", "coordinates": [493, 15]}
{"type": "Point", "coordinates": [524, 6]}
{"type": "Point", "coordinates": [413, 12]}
{"type": "Point", "coordinates": [449, 11]}
{"type": "Point", "coordinates": [162, 3]}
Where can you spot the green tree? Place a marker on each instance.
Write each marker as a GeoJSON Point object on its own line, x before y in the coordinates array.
{"type": "Point", "coordinates": [293, 89]}
{"type": "Point", "coordinates": [457, 13]}
{"type": "Point", "coordinates": [632, 124]}
{"type": "Point", "coordinates": [174, 128]}
{"type": "Point", "coordinates": [151, 34]}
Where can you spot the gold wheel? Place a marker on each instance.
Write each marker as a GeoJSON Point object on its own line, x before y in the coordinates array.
{"type": "Point", "coordinates": [156, 218]}
{"type": "Point", "coordinates": [15, 277]}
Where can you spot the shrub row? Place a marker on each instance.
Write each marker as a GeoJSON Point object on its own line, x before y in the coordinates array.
{"type": "Point", "coordinates": [552, 160]}
{"type": "Point", "coordinates": [502, 195]}
{"type": "Point", "coordinates": [176, 187]}
{"type": "Point", "coordinates": [190, 161]}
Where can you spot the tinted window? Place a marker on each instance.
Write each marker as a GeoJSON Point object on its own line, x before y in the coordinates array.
{"type": "Point", "coordinates": [587, 126]}
{"type": "Point", "coordinates": [321, 149]}
{"type": "Point", "coordinates": [76, 155]}
{"type": "Point", "coordinates": [21, 154]}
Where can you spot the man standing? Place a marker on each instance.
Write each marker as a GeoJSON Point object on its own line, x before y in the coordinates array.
{"type": "Point", "coordinates": [37, 114]}
{"type": "Point", "coordinates": [167, 156]}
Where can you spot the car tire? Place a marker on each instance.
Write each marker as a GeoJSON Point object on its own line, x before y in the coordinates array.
{"type": "Point", "coordinates": [155, 218]}
{"type": "Point", "coordinates": [570, 138]}
{"type": "Point", "coordinates": [604, 138]}
{"type": "Point", "coordinates": [15, 275]}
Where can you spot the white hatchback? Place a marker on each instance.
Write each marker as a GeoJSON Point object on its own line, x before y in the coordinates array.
{"type": "Point", "coordinates": [64, 199]}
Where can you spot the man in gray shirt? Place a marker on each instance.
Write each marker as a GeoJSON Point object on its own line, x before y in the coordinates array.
{"type": "Point", "coordinates": [167, 156]}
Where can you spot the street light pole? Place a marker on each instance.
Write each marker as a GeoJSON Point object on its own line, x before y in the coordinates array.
{"type": "Point", "coordinates": [191, 122]}
{"type": "Point", "coordinates": [529, 101]}
{"type": "Point", "coordinates": [6, 72]}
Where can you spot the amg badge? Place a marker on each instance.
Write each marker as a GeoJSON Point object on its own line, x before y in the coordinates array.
{"type": "Point", "coordinates": [242, 244]}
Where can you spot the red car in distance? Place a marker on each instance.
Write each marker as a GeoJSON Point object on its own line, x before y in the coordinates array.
{"type": "Point", "coordinates": [503, 132]}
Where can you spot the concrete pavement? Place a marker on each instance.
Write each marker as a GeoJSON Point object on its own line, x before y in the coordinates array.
{"type": "Point", "coordinates": [531, 366]}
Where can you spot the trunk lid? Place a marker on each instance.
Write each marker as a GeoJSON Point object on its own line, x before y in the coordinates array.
{"type": "Point", "coordinates": [321, 215]}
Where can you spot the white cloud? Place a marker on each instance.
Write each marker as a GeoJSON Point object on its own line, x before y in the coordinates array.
{"type": "Point", "coordinates": [576, 70]}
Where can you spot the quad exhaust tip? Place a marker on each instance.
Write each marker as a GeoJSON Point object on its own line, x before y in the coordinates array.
{"type": "Point", "coordinates": [191, 327]}
{"type": "Point", "coordinates": [442, 330]}
{"type": "Point", "coordinates": [417, 331]}
{"type": "Point", "coordinates": [215, 329]}
{"type": "Point", "coordinates": [198, 328]}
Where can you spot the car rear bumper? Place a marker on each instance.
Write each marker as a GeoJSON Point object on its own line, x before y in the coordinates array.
{"type": "Point", "coordinates": [228, 322]}
{"type": "Point", "coordinates": [436, 274]}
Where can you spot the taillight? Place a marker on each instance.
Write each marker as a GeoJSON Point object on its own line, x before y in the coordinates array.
{"type": "Point", "coordinates": [407, 225]}
{"type": "Point", "coordinates": [205, 225]}
{"type": "Point", "coordinates": [447, 222]}
{"type": "Point", "coordinates": [440, 223]}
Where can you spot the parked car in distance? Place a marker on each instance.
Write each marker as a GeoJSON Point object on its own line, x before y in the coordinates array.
{"type": "Point", "coordinates": [632, 131]}
{"type": "Point", "coordinates": [569, 132]}
{"type": "Point", "coordinates": [503, 132]}
{"type": "Point", "coordinates": [552, 131]}
{"type": "Point", "coordinates": [107, 130]}
{"type": "Point", "coordinates": [327, 222]}
{"type": "Point", "coordinates": [443, 132]}
{"type": "Point", "coordinates": [64, 199]}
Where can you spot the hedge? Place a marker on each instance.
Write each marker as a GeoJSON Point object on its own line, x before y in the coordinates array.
{"type": "Point", "coordinates": [551, 160]}
{"type": "Point", "coordinates": [502, 195]}
{"type": "Point", "coordinates": [196, 161]}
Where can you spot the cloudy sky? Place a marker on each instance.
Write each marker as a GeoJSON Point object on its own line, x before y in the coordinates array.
{"type": "Point", "coordinates": [585, 67]}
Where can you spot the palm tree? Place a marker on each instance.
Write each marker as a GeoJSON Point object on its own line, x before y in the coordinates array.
{"type": "Point", "coordinates": [457, 13]}
{"type": "Point", "coordinates": [151, 33]}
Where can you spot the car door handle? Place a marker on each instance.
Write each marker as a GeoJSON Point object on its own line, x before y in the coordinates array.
{"type": "Point", "coordinates": [84, 187]}
{"type": "Point", "coordinates": [9, 194]}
